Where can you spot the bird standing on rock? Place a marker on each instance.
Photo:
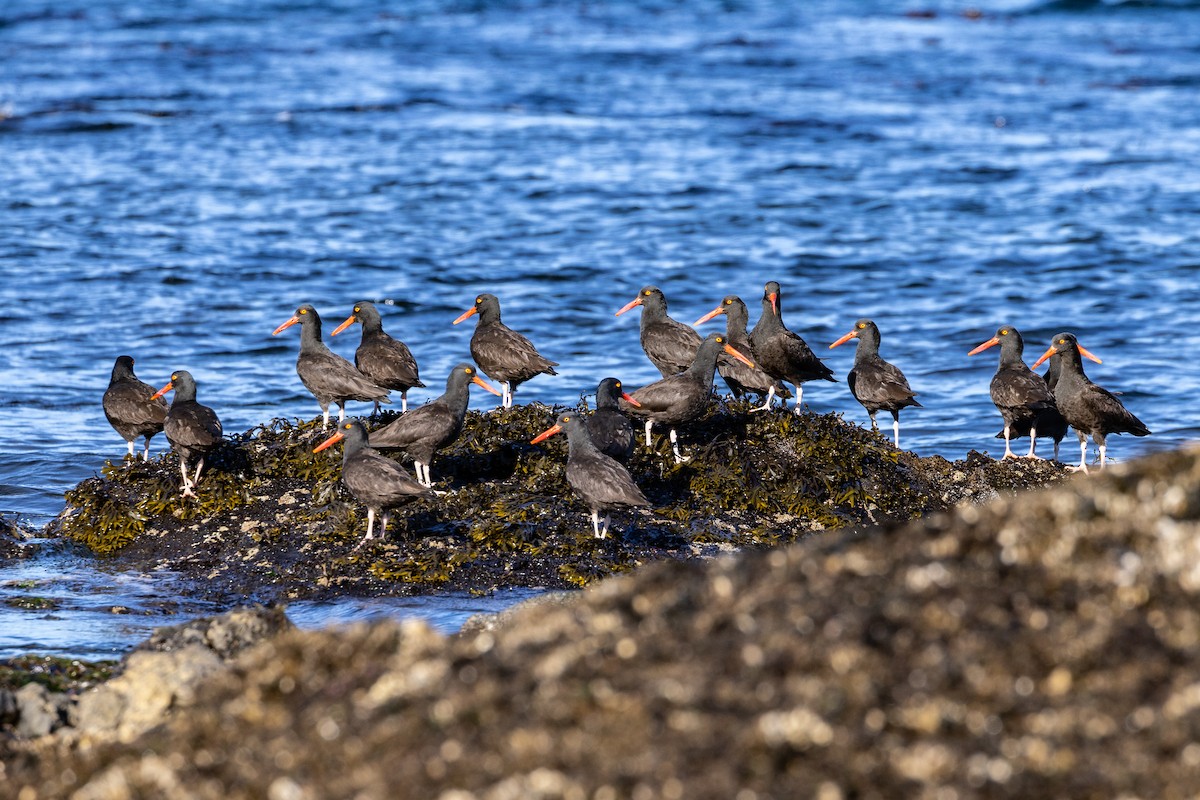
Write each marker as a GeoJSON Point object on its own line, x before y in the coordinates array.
{"type": "Point", "coordinates": [681, 398]}
{"type": "Point", "coordinates": [330, 378]}
{"type": "Point", "coordinates": [375, 480]}
{"type": "Point", "coordinates": [1088, 408]}
{"type": "Point", "coordinates": [670, 345]}
{"type": "Point", "coordinates": [428, 428]}
{"type": "Point", "coordinates": [1021, 395]}
{"type": "Point", "coordinates": [782, 354]}
{"type": "Point", "coordinates": [131, 407]}
{"type": "Point", "coordinates": [384, 361]}
{"type": "Point", "coordinates": [192, 429]}
{"type": "Point", "coordinates": [874, 382]}
{"type": "Point", "coordinates": [738, 377]}
{"type": "Point", "coordinates": [601, 481]}
{"type": "Point", "coordinates": [609, 428]}
{"type": "Point", "coordinates": [503, 354]}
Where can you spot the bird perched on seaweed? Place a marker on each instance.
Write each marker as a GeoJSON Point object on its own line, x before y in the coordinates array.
{"type": "Point", "coordinates": [330, 378]}
{"type": "Point", "coordinates": [738, 377]}
{"type": "Point", "coordinates": [375, 480]}
{"type": "Point", "coordinates": [193, 429]}
{"type": "Point", "coordinates": [609, 428]}
{"type": "Point", "coordinates": [1087, 407]}
{"type": "Point", "coordinates": [782, 354]}
{"type": "Point", "coordinates": [670, 345]}
{"type": "Point", "coordinates": [602, 482]}
{"type": "Point", "coordinates": [874, 382]}
{"type": "Point", "coordinates": [385, 361]}
{"type": "Point", "coordinates": [131, 407]}
{"type": "Point", "coordinates": [503, 354]}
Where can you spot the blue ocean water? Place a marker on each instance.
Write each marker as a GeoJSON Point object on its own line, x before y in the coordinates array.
{"type": "Point", "coordinates": [179, 175]}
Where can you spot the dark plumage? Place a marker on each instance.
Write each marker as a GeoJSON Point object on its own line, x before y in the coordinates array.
{"type": "Point", "coordinates": [503, 354]}
{"type": "Point", "coordinates": [192, 429]}
{"type": "Point", "coordinates": [874, 382]}
{"type": "Point", "coordinates": [738, 377]}
{"type": "Point", "coordinates": [384, 361]}
{"type": "Point", "coordinates": [1090, 409]}
{"type": "Point", "coordinates": [129, 406]}
{"type": "Point", "coordinates": [670, 345]}
{"type": "Point", "coordinates": [1021, 395]}
{"type": "Point", "coordinates": [683, 397]}
{"type": "Point", "coordinates": [428, 428]}
{"type": "Point", "coordinates": [609, 428]}
{"type": "Point", "coordinates": [600, 480]}
{"type": "Point", "coordinates": [375, 480]}
{"type": "Point", "coordinates": [782, 354]}
{"type": "Point", "coordinates": [330, 378]}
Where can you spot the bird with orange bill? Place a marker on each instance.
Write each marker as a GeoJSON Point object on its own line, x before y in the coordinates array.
{"type": "Point", "coordinates": [504, 355]}
{"type": "Point", "coordinates": [781, 353]}
{"type": "Point", "coordinates": [875, 383]}
{"type": "Point", "coordinates": [669, 344]}
{"type": "Point", "coordinates": [1088, 408]}
{"type": "Point", "coordinates": [192, 429]}
{"type": "Point", "coordinates": [384, 361]}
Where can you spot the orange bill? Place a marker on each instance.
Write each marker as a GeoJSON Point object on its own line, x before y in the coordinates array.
{"type": "Point", "coordinates": [989, 343]}
{"type": "Point", "coordinates": [162, 391]}
{"type": "Point", "coordinates": [465, 315]}
{"type": "Point", "coordinates": [481, 382]}
{"type": "Point", "coordinates": [546, 434]}
{"type": "Point", "coordinates": [330, 442]}
{"type": "Point", "coordinates": [718, 310]}
{"type": "Point", "coordinates": [845, 338]}
{"type": "Point", "coordinates": [1083, 351]}
{"type": "Point", "coordinates": [774, 298]}
{"type": "Point", "coordinates": [353, 319]}
{"type": "Point", "coordinates": [634, 303]}
{"type": "Point", "coordinates": [628, 398]}
{"type": "Point", "coordinates": [286, 325]}
{"type": "Point", "coordinates": [738, 355]}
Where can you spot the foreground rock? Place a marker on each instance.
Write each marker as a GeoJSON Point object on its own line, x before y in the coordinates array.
{"type": "Point", "coordinates": [1045, 645]}
{"type": "Point", "coordinates": [272, 521]}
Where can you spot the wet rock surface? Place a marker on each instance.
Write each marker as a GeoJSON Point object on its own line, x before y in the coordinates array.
{"type": "Point", "coordinates": [1046, 644]}
{"type": "Point", "coordinates": [272, 521]}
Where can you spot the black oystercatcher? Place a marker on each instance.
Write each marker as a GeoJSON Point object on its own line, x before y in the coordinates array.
{"type": "Point", "coordinates": [738, 377]}
{"type": "Point", "coordinates": [503, 354]}
{"type": "Point", "coordinates": [331, 378]}
{"type": "Point", "coordinates": [874, 382]}
{"type": "Point", "coordinates": [375, 480]}
{"type": "Point", "coordinates": [782, 354]}
{"type": "Point", "coordinates": [385, 361]}
{"type": "Point", "coordinates": [428, 428]}
{"type": "Point", "coordinates": [131, 407]}
{"type": "Point", "coordinates": [670, 345]}
{"type": "Point", "coordinates": [1021, 395]}
{"type": "Point", "coordinates": [600, 480]}
{"type": "Point", "coordinates": [192, 429]}
{"type": "Point", "coordinates": [1088, 408]}
{"type": "Point", "coordinates": [681, 398]}
{"type": "Point", "coordinates": [609, 428]}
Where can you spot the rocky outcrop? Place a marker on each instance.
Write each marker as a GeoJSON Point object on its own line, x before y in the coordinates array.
{"type": "Point", "coordinates": [1044, 645]}
{"type": "Point", "coordinates": [273, 523]}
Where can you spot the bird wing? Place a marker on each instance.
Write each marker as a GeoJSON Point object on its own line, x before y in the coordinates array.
{"type": "Point", "coordinates": [881, 383]}
{"type": "Point", "coordinates": [506, 355]}
{"type": "Point", "coordinates": [603, 482]}
{"type": "Point", "coordinates": [1020, 388]}
{"type": "Point", "coordinates": [330, 377]}
{"type": "Point", "coordinates": [379, 482]}
{"type": "Point", "coordinates": [1105, 404]}
{"type": "Point", "coordinates": [432, 422]}
{"type": "Point", "coordinates": [386, 361]}
{"type": "Point", "coordinates": [671, 346]}
{"type": "Point", "coordinates": [659, 396]}
{"type": "Point", "coordinates": [129, 402]}
{"type": "Point", "coordinates": [193, 426]}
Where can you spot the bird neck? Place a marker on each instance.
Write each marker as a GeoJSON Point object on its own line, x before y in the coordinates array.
{"type": "Point", "coordinates": [579, 442]}
{"type": "Point", "coordinates": [705, 363]}
{"type": "Point", "coordinates": [310, 335]}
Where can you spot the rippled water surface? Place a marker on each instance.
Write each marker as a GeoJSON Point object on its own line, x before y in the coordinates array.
{"type": "Point", "coordinates": [179, 176]}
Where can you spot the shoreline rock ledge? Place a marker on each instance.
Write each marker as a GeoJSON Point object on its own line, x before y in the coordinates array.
{"type": "Point", "coordinates": [1046, 644]}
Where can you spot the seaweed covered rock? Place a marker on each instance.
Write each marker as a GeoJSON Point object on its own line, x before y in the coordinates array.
{"type": "Point", "coordinates": [1046, 645]}
{"type": "Point", "coordinates": [272, 520]}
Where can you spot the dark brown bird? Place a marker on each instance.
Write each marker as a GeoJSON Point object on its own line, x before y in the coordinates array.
{"type": "Point", "coordinates": [738, 377]}
{"type": "Point", "coordinates": [384, 361]}
{"type": "Point", "coordinates": [609, 428]}
{"type": "Point", "coordinates": [330, 378]}
{"type": "Point", "coordinates": [1088, 408]}
{"type": "Point", "coordinates": [131, 407]}
{"type": "Point", "coordinates": [503, 354]}
{"type": "Point", "coordinates": [192, 429]}
{"type": "Point", "coordinates": [670, 345]}
{"type": "Point", "coordinates": [782, 354]}
{"type": "Point", "coordinates": [874, 382]}
{"type": "Point", "coordinates": [681, 398]}
{"type": "Point", "coordinates": [602, 482]}
{"type": "Point", "coordinates": [1021, 395]}
{"type": "Point", "coordinates": [426, 429]}
{"type": "Point", "coordinates": [375, 480]}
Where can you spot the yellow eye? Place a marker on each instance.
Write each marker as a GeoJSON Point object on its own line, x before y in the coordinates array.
{"type": "Point", "coordinates": [728, 302]}
{"type": "Point", "coordinates": [647, 293]}
{"type": "Point", "coordinates": [469, 371]}
{"type": "Point", "coordinates": [862, 325]}
{"type": "Point", "coordinates": [618, 384]}
{"type": "Point", "coordinates": [478, 300]}
{"type": "Point", "coordinates": [1004, 333]}
{"type": "Point", "coordinates": [357, 309]}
